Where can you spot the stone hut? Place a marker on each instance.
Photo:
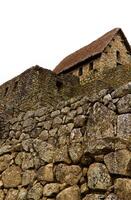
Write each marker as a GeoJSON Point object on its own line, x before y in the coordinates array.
{"type": "Point", "coordinates": [109, 51]}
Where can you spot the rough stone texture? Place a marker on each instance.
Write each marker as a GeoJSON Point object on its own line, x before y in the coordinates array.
{"type": "Point", "coordinates": [22, 194]}
{"type": "Point", "coordinates": [4, 162]}
{"type": "Point", "coordinates": [119, 162]}
{"type": "Point", "coordinates": [112, 197]}
{"type": "Point", "coordinates": [45, 150]}
{"type": "Point", "coordinates": [98, 177]}
{"type": "Point", "coordinates": [78, 150]}
{"type": "Point", "coordinates": [11, 177]}
{"type": "Point", "coordinates": [1, 195]}
{"type": "Point", "coordinates": [12, 194]}
{"type": "Point", "coordinates": [124, 126]}
{"type": "Point", "coordinates": [71, 193]}
{"type": "Point", "coordinates": [101, 122]}
{"type": "Point", "coordinates": [45, 173]}
{"type": "Point", "coordinates": [34, 88]}
{"type": "Point", "coordinates": [94, 197]}
{"type": "Point", "coordinates": [124, 104]}
{"type": "Point", "coordinates": [51, 189]}
{"type": "Point", "coordinates": [68, 174]}
{"type": "Point", "coordinates": [28, 177]}
{"type": "Point", "coordinates": [35, 193]}
{"type": "Point", "coordinates": [123, 188]}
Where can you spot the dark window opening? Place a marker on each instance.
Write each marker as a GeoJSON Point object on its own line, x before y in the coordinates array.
{"type": "Point", "coordinates": [80, 71]}
{"type": "Point", "coordinates": [118, 56]}
{"type": "Point", "coordinates": [6, 91]}
{"type": "Point", "coordinates": [109, 45]}
{"type": "Point", "coordinates": [59, 85]}
{"type": "Point", "coordinates": [15, 85]}
{"type": "Point", "coordinates": [91, 66]}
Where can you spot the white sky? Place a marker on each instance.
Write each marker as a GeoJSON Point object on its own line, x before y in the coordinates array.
{"type": "Point", "coordinates": [43, 32]}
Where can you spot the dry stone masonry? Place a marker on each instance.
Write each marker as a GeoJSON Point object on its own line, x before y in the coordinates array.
{"type": "Point", "coordinates": [79, 150]}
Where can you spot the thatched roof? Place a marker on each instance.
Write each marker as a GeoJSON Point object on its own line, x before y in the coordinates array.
{"type": "Point", "coordinates": [91, 50]}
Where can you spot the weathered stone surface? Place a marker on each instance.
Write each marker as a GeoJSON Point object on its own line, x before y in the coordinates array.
{"type": "Point", "coordinates": [119, 162]}
{"type": "Point", "coordinates": [84, 188]}
{"type": "Point", "coordinates": [98, 177]}
{"type": "Point", "coordinates": [99, 146]}
{"type": "Point", "coordinates": [74, 145]}
{"type": "Point", "coordinates": [123, 188]}
{"type": "Point", "coordinates": [75, 152]}
{"type": "Point", "coordinates": [55, 113]}
{"type": "Point", "coordinates": [101, 122]}
{"type": "Point", "coordinates": [45, 173]}
{"type": "Point", "coordinates": [11, 177]}
{"type": "Point", "coordinates": [124, 104]}
{"type": "Point", "coordinates": [35, 193]}
{"type": "Point", "coordinates": [19, 158]}
{"type": "Point", "coordinates": [5, 149]}
{"type": "Point", "coordinates": [27, 161]}
{"type": "Point", "coordinates": [76, 136]}
{"type": "Point", "coordinates": [71, 193]}
{"type": "Point", "coordinates": [79, 121]}
{"type": "Point", "coordinates": [112, 196]}
{"type": "Point", "coordinates": [27, 144]}
{"type": "Point", "coordinates": [22, 194]}
{"type": "Point", "coordinates": [47, 125]}
{"type": "Point", "coordinates": [29, 122]}
{"type": "Point", "coordinates": [4, 161]}
{"type": "Point", "coordinates": [121, 91]}
{"type": "Point", "coordinates": [61, 155]}
{"type": "Point", "coordinates": [2, 195]}
{"type": "Point", "coordinates": [124, 126]}
{"type": "Point", "coordinates": [65, 110]}
{"type": "Point", "coordinates": [53, 132]}
{"type": "Point", "coordinates": [57, 121]}
{"type": "Point", "coordinates": [40, 112]}
{"type": "Point", "coordinates": [45, 150]}
{"type": "Point", "coordinates": [29, 114]}
{"type": "Point", "coordinates": [70, 116]}
{"type": "Point", "coordinates": [68, 174]}
{"type": "Point", "coordinates": [106, 99]}
{"type": "Point", "coordinates": [12, 194]}
{"type": "Point", "coordinates": [94, 197]}
{"type": "Point", "coordinates": [51, 189]}
{"type": "Point", "coordinates": [28, 177]}
{"type": "Point", "coordinates": [44, 135]}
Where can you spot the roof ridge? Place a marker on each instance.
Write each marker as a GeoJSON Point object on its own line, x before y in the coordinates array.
{"type": "Point", "coordinates": [92, 49]}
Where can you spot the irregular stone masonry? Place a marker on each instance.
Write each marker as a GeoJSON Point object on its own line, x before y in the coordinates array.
{"type": "Point", "coordinates": [80, 150]}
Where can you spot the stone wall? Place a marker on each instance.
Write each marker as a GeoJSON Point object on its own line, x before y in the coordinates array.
{"type": "Point", "coordinates": [79, 150]}
{"type": "Point", "coordinates": [34, 88]}
{"type": "Point", "coordinates": [108, 59]}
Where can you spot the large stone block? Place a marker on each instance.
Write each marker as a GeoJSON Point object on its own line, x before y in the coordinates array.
{"type": "Point", "coordinates": [124, 104]}
{"type": "Point", "coordinates": [119, 162]}
{"type": "Point", "coordinates": [101, 122]}
{"type": "Point", "coordinates": [124, 126]}
{"type": "Point", "coordinates": [98, 177]}
{"type": "Point", "coordinates": [11, 177]}
{"type": "Point", "coordinates": [71, 193]}
{"type": "Point", "coordinates": [68, 174]}
{"type": "Point", "coordinates": [122, 188]}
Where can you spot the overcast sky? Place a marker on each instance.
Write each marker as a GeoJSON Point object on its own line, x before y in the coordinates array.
{"type": "Point", "coordinates": [43, 32]}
